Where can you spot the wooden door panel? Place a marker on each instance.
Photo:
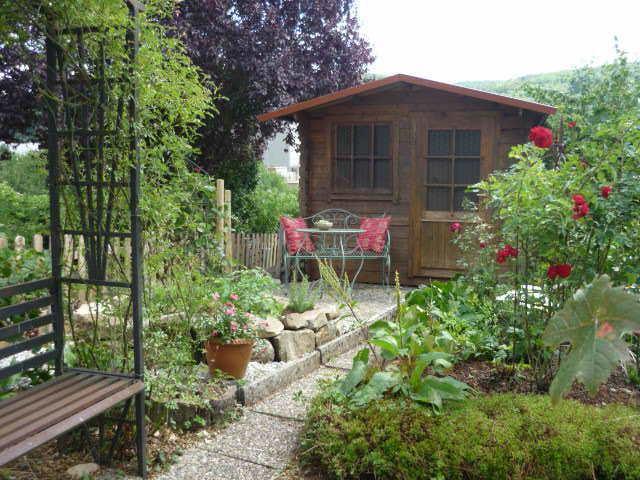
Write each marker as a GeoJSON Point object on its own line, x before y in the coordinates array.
{"type": "Point", "coordinates": [433, 253]}
{"type": "Point", "coordinates": [436, 249]}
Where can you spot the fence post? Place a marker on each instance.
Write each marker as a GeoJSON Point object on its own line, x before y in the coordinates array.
{"type": "Point", "coordinates": [228, 245]}
{"type": "Point", "coordinates": [19, 243]}
{"type": "Point", "coordinates": [220, 208]}
{"type": "Point", "coordinates": [38, 243]}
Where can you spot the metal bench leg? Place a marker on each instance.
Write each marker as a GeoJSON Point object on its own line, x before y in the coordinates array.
{"type": "Point", "coordinates": [141, 435]}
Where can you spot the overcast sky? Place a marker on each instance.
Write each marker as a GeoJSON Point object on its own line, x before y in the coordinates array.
{"type": "Point", "coordinates": [457, 40]}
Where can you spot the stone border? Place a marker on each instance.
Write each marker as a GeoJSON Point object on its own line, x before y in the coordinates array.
{"type": "Point", "coordinates": [249, 394]}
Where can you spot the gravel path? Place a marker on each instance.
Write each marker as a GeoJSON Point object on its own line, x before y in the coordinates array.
{"type": "Point", "coordinates": [261, 444]}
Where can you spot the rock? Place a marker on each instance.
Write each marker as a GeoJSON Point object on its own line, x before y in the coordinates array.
{"type": "Point", "coordinates": [326, 333]}
{"type": "Point", "coordinates": [291, 344]}
{"type": "Point", "coordinates": [83, 470]}
{"type": "Point", "coordinates": [294, 321]}
{"type": "Point", "coordinates": [263, 351]}
{"type": "Point", "coordinates": [268, 327]}
{"type": "Point", "coordinates": [315, 319]}
{"type": "Point", "coordinates": [333, 313]}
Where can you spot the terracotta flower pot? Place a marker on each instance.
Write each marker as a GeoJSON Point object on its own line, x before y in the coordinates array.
{"type": "Point", "coordinates": [232, 358]}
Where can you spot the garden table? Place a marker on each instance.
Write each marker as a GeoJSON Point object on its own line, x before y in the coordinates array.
{"type": "Point", "coordinates": [337, 244]}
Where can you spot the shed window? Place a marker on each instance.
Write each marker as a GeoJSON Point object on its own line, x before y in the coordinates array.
{"type": "Point", "coordinates": [362, 159]}
{"type": "Point", "coordinates": [452, 164]}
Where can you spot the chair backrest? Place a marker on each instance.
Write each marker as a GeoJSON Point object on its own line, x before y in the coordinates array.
{"type": "Point", "coordinates": [339, 217]}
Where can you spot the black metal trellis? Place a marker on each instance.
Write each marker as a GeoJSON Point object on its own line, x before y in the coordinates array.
{"type": "Point", "coordinates": [93, 153]}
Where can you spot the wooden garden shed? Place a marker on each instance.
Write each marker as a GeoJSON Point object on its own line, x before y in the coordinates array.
{"type": "Point", "coordinates": [406, 147]}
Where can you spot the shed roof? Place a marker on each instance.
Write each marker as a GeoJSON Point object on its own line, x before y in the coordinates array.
{"type": "Point", "coordinates": [289, 111]}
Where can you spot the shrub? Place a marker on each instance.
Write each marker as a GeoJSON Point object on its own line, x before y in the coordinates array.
{"type": "Point", "coordinates": [26, 173]}
{"type": "Point", "coordinates": [22, 214]}
{"type": "Point", "coordinates": [271, 199]}
{"type": "Point", "coordinates": [495, 437]}
{"type": "Point", "coordinates": [301, 295]}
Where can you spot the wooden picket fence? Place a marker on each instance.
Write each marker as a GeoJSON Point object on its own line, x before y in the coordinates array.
{"type": "Point", "coordinates": [261, 250]}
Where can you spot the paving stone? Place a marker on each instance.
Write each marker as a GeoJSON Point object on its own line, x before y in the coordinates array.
{"type": "Point", "coordinates": [344, 360]}
{"type": "Point", "coordinates": [207, 465]}
{"type": "Point", "coordinates": [259, 438]}
{"type": "Point", "coordinates": [294, 400]}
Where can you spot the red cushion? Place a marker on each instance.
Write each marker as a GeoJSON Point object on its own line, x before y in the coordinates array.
{"type": "Point", "coordinates": [374, 236]}
{"type": "Point", "coordinates": [296, 241]}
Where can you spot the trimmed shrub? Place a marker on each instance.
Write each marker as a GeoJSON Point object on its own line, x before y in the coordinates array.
{"type": "Point", "coordinates": [504, 436]}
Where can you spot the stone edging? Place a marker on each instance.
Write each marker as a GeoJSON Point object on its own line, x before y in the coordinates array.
{"type": "Point", "coordinates": [252, 393]}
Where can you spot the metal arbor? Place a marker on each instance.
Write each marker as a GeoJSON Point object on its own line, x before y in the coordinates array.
{"type": "Point", "coordinates": [94, 187]}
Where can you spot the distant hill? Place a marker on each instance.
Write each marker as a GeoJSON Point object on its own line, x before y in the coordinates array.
{"type": "Point", "coordinates": [553, 80]}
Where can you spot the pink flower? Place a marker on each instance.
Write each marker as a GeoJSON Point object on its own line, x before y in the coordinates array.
{"type": "Point", "coordinates": [216, 296]}
{"type": "Point", "coordinates": [233, 297]}
{"type": "Point", "coordinates": [234, 327]}
{"type": "Point", "coordinates": [230, 311]}
{"type": "Point", "coordinates": [454, 227]}
{"type": "Point", "coordinates": [215, 333]}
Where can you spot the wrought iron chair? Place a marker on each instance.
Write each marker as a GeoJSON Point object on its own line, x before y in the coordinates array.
{"type": "Point", "coordinates": [336, 244]}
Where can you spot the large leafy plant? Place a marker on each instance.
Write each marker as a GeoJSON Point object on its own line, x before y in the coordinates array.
{"type": "Point", "coordinates": [411, 363]}
{"type": "Point", "coordinates": [594, 321]}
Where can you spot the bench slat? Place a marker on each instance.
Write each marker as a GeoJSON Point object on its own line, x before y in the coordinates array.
{"type": "Point", "coordinates": [48, 407]}
{"type": "Point", "coordinates": [26, 287]}
{"type": "Point", "coordinates": [32, 362]}
{"type": "Point", "coordinates": [26, 404]}
{"type": "Point", "coordinates": [39, 438]}
{"type": "Point", "coordinates": [33, 393]}
{"type": "Point", "coordinates": [25, 345]}
{"type": "Point", "coordinates": [18, 308]}
{"type": "Point", "coordinates": [20, 328]}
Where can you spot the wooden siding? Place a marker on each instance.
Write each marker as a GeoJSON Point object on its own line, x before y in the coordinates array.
{"type": "Point", "coordinates": [403, 107]}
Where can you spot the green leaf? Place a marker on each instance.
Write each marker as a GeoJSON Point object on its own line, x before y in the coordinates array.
{"type": "Point", "coordinates": [380, 383]}
{"type": "Point", "coordinates": [593, 321]}
{"type": "Point", "coordinates": [356, 374]}
{"type": "Point", "coordinates": [388, 344]}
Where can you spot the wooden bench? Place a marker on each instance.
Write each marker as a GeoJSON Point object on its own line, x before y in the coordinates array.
{"type": "Point", "coordinates": [35, 416]}
{"type": "Point", "coordinates": [347, 249]}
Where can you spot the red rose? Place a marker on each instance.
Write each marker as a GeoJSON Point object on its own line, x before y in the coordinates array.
{"type": "Point", "coordinates": [501, 256]}
{"type": "Point", "coordinates": [454, 227]}
{"type": "Point", "coordinates": [552, 272]}
{"type": "Point", "coordinates": [571, 124]}
{"type": "Point", "coordinates": [512, 252]}
{"type": "Point", "coordinates": [580, 210]}
{"type": "Point", "coordinates": [578, 199]}
{"type": "Point", "coordinates": [563, 269]}
{"type": "Point", "coordinates": [197, 169]}
{"type": "Point", "coordinates": [541, 136]}
{"type": "Point", "coordinates": [483, 245]}
{"type": "Point", "coordinates": [605, 191]}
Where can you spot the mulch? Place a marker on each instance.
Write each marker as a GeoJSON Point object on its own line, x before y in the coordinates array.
{"type": "Point", "coordinates": [486, 378]}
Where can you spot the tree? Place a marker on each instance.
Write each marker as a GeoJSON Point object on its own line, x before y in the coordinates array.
{"type": "Point", "coordinates": [264, 55]}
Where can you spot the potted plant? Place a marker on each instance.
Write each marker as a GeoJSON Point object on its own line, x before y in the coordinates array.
{"type": "Point", "coordinates": [228, 336]}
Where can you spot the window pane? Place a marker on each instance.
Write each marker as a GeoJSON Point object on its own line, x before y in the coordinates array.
{"type": "Point", "coordinates": [459, 195]}
{"type": "Point", "coordinates": [362, 140]}
{"type": "Point", "coordinates": [343, 173]}
{"type": "Point", "coordinates": [343, 144]}
{"type": "Point", "coordinates": [361, 176]}
{"type": "Point", "coordinates": [382, 174]}
{"type": "Point", "coordinates": [439, 170]}
{"type": "Point", "coordinates": [382, 141]}
{"type": "Point", "coordinates": [467, 171]}
{"type": "Point", "coordinates": [467, 142]}
{"type": "Point", "coordinates": [439, 142]}
{"type": "Point", "coordinates": [438, 198]}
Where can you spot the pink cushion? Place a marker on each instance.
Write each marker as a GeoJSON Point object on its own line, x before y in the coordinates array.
{"type": "Point", "coordinates": [374, 236]}
{"type": "Point", "coordinates": [296, 241]}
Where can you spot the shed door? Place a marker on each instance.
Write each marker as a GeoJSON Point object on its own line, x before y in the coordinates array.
{"type": "Point", "coordinates": [452, 153]}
